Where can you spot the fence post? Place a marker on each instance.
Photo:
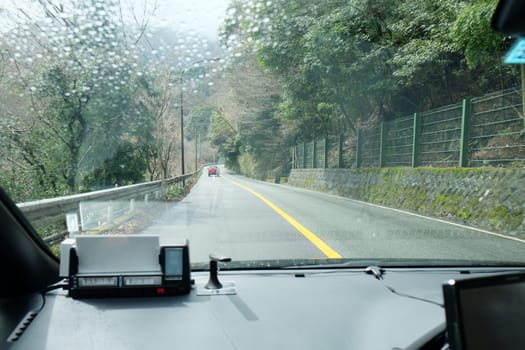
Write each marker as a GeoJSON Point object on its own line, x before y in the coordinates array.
{"type": "Point", "coordinates": [326, 152]}
{"type": "Point", "coordinates": [358, 149]}
{"type": "Point", "coordinates": [304, 155]}
{"type": "Point", "coordinates": [293, 156]}
{"type": "Point", "coordinates": [415, 140]}
{"type": "Point", "coordinates": [522, 69]}
{"type": "Point", "coordinates": [340, 153]}
{"type": "Point", "coordinates": [465, 132]}
{"type": "Point", "coordinates": [382, 136]}
{"type": "Point", "coordinates": [314, 157]}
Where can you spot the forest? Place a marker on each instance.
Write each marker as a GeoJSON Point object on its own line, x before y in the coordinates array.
{"type": "Point", "coordinates": [92, 92]}
{"type": "Point", "coordinates": [331, 67]}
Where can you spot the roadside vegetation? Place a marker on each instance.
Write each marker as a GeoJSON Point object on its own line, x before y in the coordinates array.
{"type": "Point", "coordinates": [283, 72]}
{"type": "Point", "coordinates": [330, 67]}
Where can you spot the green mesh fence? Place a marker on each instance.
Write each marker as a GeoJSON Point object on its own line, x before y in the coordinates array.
{"type": "Point", "coordinates": [484, 131]}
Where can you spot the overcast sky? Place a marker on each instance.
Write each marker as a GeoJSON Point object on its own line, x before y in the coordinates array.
{"type": "Point", "coordinates": [204, 16]}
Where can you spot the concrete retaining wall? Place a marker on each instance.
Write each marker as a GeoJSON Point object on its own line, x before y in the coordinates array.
{"type": "Point", "coordinates": [489, 198]}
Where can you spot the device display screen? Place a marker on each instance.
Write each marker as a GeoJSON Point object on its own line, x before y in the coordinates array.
{"type": "Point", "coordinates": [492, 316]}
{"type": "Point", "coordinates": [173, 263]}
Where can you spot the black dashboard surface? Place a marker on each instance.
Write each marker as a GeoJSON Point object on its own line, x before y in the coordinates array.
{"type": "Point", "coordinates": [299, 309]}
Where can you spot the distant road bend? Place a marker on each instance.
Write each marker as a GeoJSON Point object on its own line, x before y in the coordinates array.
{"type": "Point", "coordinates": [251, 220]}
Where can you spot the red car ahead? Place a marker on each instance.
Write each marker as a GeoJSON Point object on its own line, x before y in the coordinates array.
{"type": "Point", "coordinates": [213, 170]}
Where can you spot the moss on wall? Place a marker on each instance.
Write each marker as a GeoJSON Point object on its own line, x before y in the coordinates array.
{"type": "Point", "coordinates": [502, 217]}
{"type": "Point", "coordinates": [491, 198]}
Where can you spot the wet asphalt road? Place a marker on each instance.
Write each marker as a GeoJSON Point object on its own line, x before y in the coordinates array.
{"type": "Point", "coordinates": [219, 216]}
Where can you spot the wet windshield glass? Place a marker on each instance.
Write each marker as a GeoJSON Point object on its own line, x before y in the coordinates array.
{"type": "Point", "coordinates": [267, 130]}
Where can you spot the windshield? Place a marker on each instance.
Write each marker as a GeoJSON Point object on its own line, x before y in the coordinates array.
{"type": "Point", "coordinates": [272, 132]}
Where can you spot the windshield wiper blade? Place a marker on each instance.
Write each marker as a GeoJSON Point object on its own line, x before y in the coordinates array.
{"type": "Point", "coordinates": [382, 264]}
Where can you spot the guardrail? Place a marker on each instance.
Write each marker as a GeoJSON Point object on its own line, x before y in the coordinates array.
{"type": "Point", "coordinates": [57, 208]}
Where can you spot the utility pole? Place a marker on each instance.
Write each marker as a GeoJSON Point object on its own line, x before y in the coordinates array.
{"type": "Point", "coordinates": [196, 147]}
{"type": "Point", "coordinates": [182, 123]}
{"type": "Point", "coordinates": [182, 72]}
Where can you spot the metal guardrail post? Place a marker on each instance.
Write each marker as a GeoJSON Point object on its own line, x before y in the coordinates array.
{"type": "Point", "coordinates": [416, 133]}
{"type": "Point", "coordinates": [465, 132]}
{"type": "Point", "coordinates": [340, 152]}
{"type": "Point", "coordinates": [164, 187]}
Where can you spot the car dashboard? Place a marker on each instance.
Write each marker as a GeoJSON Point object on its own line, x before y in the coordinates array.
{"type": "Point", "coordinates": [344, 308]}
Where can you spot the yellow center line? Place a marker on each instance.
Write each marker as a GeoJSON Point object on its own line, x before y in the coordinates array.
{"type": "Point", "coordinates": [312, 237]}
